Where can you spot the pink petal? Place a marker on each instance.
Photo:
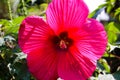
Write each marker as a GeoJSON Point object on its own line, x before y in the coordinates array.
{"type": "Point", "coordinates": [62, 14]}
{"type": "Point", "coordinates": [42, 63]}
{"type": "Point", "coordinates": [33, 33]}
{"type": "Point", "coordinates": [74, 66]}
{"type": "Point", "coordinates": [90, 39]}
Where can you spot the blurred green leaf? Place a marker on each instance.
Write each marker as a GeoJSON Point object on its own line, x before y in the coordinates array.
{"type": "Point", "coordinates": [11, 27]}
{"type": "Point", "coordinates": [113, 30]}
{"type": "Point", "coordinates": [92, 13]}
{"type": "Point", "coordinates": [21, 70]}
{"type": "Point", "coordinates": [43, 6]}
{"type": "Point", "coordinates": [18, 20]}
{"type": "Point", "coordinates": [14, 25]}
{"type": "Point", "coordinates": [109, 8]}
{"type": "Point", "coordinates": [100, 66]}
{"type": "Point", "coordinates": [104, 64]}
{"type": "Point", "coordinates": [110, 5]}
{"type": "Point", "coordinates": [116, 75]}
{"type": "Point", "coordinates": [34, 10]}
{"type": "Point", "coordinates": [117, 11]}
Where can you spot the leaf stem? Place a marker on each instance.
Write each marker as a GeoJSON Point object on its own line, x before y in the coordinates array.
{"type": "Point", "coordinates": [24, 8]}
{"type": "Point", "coordinates": [9, 8]}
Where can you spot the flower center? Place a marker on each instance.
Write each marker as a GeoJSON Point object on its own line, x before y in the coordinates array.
{"type": "Point", "coordinates": [62, 42]}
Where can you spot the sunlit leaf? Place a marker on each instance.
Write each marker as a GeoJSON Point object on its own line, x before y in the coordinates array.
{"type": "Point", "coordinates": [113, 30]}
{"type": "Point", "coordinates": [13, 25]}
{"type": "Point", "coordinates": [104, 64]}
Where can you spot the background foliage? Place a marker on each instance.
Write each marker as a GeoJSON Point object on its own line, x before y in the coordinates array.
{"type": "Point", "coordinates": [12, 60]}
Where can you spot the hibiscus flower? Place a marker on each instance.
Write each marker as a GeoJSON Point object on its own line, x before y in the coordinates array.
{"type": "Point", "coordinates": [66, 45]}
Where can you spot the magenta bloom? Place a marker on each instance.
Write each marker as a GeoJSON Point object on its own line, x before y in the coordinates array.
{"type": "Point", "coordinates": [66, 45]}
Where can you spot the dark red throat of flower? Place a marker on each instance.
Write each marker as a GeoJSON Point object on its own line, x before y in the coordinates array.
{"type": "Point", "coordinates": [62, 42]}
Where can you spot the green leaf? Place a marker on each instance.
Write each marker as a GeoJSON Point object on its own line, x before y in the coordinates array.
{"type": "Point", "coordinates": [116, 75]}
{"type": "Point", "coordinates": [43, 8]}
{"type": "Point", "coordinates": [102, 5]}
{"type": "Point", "coordinates": [11, 27]}
{"type": "Point", "coordinates": [104, 64]}
{"type": "Point", "coordinates": [100, 66]}
{"type": "Point", "coordinates": [21, 70]}
{"type": "Point", "coordinates": [14, 25]}
{"type": "Point", "coordinates": [92, 13]}
{"type": "Point", "coordinates": [117, 13]}
{"type": "Point", "coordinates": [18, 20]}
{"type": "Point", "coordinates": [110, 5]}
{"type": "Point", "coordinates": [113, 30]}
{"type": "Point", "coordinates": [4, 22]}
